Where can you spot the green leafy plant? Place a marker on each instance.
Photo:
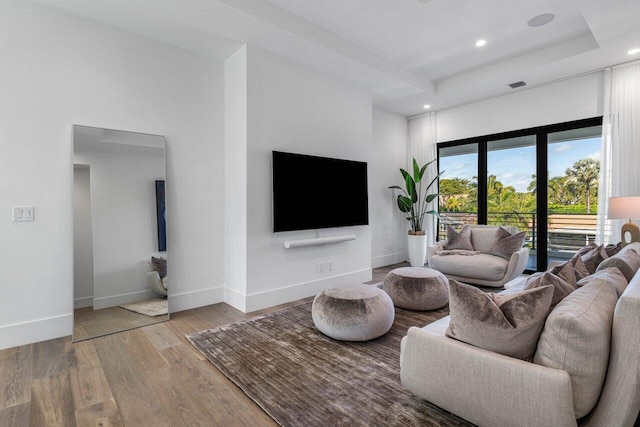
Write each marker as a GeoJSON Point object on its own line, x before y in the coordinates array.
{"type": "Point", "coordinates": [413, 201]}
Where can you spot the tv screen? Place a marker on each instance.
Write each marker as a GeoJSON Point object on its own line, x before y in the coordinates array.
{"type": "Point", "coordinates": [311, 192]}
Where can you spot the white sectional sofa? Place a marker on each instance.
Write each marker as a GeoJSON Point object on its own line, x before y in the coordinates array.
{"type": "Point", "coordinates": [491, 389]}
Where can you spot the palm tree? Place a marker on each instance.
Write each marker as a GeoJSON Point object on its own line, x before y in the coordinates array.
{"type": "Point", "coordinates": [584, 173]}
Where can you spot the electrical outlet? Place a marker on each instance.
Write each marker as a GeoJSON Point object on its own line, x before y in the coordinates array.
{"type": "Point", "coordinates": [22, 213]}
{"type": "Point", "coordinates": [329, 266]}
{"type": "Point", "coordinates": [320, 267]}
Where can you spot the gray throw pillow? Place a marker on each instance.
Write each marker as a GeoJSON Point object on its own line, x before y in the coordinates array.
{"type": "Point", "coordinates": [594, 257]}
{"type": "Point", "coordinates": [562, 277]}
{"type": "Point", "coordinates": [159, 265]}
{"type": "Point", "coordinates": [507, 324]}
{"type": "Point", "coordinates": [505, 244]}
{"type": "Point", "coordinates": [461, 240]}
{"type": "Point", "coordinates": [588, 248]}
{"type": "Point", "coordinates": [627, 260]}
{"type": "Point", "coordinates": [579, 268]}
{"type": "Point", "coordinates": [612, 249]}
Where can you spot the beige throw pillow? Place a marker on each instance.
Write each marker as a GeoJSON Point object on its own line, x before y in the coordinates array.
{"type": "Point", "coordinates": [627, 260]}
{"type": "Point", "coordinates": [159, 265]}
{"type": "Point", "coordinates": [506, 324]}
{"type": "Point", "coordinates": [579, 268]}
{"type": "Point", "coordinates": [576, 339]}
{"type": "Point", "coordinates": [505, 244]}
{"type": "Point", "coordinates": [562, 277]}
{"type": "Point", "coordinates": [594, 257]}
{"type": "Point", "coordinates": [458, 240]}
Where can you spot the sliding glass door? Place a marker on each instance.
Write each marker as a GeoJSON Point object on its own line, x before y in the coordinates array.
{"type": "Point", "coordinates": [458, 198]}
{"type": "Point", "coordinates": [572, 189]}
{"type": "Point", "coordinates": [542, 180]}
{"type": "Point", "coordinates": [511, 187]}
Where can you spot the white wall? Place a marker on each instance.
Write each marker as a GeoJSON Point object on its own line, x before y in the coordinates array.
{"type": "Point", "coordinates": [388, 155]}
{"type": "Point", "coordinates": [563, 101]}
{"type": "Point", "coordinates": [58, 70]}
{"type": "Point", "coordinates": [292, 108]}
{"type": "Point", "coordinates": [124, 224]}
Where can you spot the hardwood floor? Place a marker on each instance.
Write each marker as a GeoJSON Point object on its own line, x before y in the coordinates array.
{"type": "Point", "coordinates": [150, 376]}
{"type": "Point", "coordinates": [89, 323]}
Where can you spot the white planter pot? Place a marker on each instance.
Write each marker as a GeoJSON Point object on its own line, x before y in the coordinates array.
{"type": "Point", "coordinates": [417, 244]}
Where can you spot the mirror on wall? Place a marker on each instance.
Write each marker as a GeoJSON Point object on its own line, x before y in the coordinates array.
{"type": "Point", "coordinates": [120, 261]}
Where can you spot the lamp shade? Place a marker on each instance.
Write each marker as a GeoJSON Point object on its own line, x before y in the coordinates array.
{"type": "Point", "coordinates": [624, 207]}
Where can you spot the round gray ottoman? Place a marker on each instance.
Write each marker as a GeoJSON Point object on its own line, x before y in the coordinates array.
{"type": "Point", "coordinates": [417, 288]}
{"type": "Point", "coordinates": [355, 312]}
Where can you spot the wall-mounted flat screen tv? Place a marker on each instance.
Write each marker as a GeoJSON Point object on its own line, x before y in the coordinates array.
{"type": "Point", "coordinates": [311, 192]}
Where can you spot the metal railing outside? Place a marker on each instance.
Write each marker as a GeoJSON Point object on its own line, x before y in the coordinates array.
{"type": "Point", "coordinates": [566, 233]}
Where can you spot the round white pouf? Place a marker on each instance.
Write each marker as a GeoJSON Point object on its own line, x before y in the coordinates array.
{"type": "Point", "coordinates": [355, 312]}
{"type": "Point", "coordinates": [417, 288]}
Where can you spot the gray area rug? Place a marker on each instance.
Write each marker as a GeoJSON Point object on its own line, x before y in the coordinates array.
{"type": "Point", "coordinates": [301, 377]}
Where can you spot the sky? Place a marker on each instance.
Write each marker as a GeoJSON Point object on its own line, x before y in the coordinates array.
{"type": "Point", "coordinates": [515, 166]}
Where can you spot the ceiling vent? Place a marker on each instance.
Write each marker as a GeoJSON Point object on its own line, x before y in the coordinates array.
{"type": "Point", "coordinates": [517, 84]}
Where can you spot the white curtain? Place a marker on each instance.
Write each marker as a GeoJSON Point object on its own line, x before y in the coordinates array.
{"type": "Point", "coordinates": [619, 167]}
{"type": "Point", "coordinates": [422, 146]}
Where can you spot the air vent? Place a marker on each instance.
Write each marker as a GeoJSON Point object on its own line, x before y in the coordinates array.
{"type": "Point", "coordinates": [517, 84]}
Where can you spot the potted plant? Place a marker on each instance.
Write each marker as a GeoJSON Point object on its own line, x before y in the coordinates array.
{"type": "Point", "coordinates": [414, 202]}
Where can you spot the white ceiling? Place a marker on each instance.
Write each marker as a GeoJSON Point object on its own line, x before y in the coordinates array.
{"type": "Point", "coordinates": [408, 52]}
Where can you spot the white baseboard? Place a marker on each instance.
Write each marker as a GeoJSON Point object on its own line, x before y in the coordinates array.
{"type": "Point", "coordinates": [195, 299]}
{"type": "Point", "coordinates": [260, 300]}
{"type": "Point", "coordinates": [387, 259]}
{"type": "Point", "coordinates": [116, 300]}
{"type": "Point", "coordinates": [235, 299]}
{"type": "Point", "coordinates": [82, 302]}
{"type": "Point", "coordinates": [36, 330]}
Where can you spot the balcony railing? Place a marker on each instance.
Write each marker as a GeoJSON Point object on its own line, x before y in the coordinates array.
{"type": "Point", "coordinates": [566, 233]}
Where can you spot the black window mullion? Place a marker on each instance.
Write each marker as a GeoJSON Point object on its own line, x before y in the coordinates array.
{"type": "Point", "coordinates": [541, 200]}
{"type": "Point", "coordinates": [482, 182]}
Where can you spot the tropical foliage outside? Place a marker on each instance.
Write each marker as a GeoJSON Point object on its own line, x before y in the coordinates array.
{"type": "Point", "coordinates": [576, 192]}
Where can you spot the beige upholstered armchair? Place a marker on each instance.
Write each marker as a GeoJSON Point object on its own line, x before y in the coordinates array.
{"type": "Point", "coordinates": [481, 268]}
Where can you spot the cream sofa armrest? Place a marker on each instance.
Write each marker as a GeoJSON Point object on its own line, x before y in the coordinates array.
{"type": "Point", "coordinates": [483, 387]}
{"type": "Point", "coordinates": [517, 264]}
{"type": "Point", "coordinates": [432, 249]}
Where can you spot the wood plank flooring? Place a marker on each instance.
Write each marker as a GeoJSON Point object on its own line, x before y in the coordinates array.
{"type": "Point", "coordinates": [150, 376]}
{"type": "Point", "coordinates": [89, 323]}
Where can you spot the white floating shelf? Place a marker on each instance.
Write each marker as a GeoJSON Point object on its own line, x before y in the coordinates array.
{"type": "Point", "coordinates": [318, 241]}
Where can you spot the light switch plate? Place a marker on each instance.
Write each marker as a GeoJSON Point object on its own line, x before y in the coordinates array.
{"type": "Point", "coordinates": [22, 213]}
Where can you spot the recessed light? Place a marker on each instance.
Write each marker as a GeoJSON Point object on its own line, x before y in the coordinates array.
{"type": "Point", "coordinates": [426, 106]}
{"type": "Point", "coordinates": [540, 20]}
{"type": "Point", "coordinates": [481, 43]}
{"type": "Point", "coordinates": [634, 51]}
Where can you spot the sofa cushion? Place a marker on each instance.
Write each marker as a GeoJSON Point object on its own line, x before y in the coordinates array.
{"type": "Point", "coordinates": [576, 339]}
{"type": "Point", "coordinates": [594, 257]}
{"type": "Point", "coordinates": [562, 277]}
{"type": "Point", "coordinates": [611, 275]}
{"type": "Point", "coordinates": [627, 260]}
{"type": "Point", "coordinates": [505, 244]}
{"type": "Point", "coordinates": [506, 324]}
{"type": "Point", "coordinates": [458, 240]}
{"type": "Point", "coordinates": [481, 266]}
